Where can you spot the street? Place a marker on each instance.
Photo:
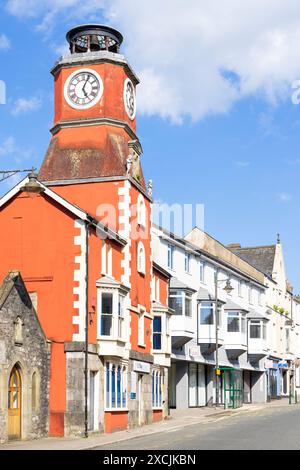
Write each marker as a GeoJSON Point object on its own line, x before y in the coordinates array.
{"type": "Point", "coordinates": [269, 429]}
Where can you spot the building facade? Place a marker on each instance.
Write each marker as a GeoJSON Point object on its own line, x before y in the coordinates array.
{"type": "Point", "coordinates": [258, 343]}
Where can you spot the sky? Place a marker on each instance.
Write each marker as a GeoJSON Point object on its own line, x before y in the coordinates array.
{"type": "Point", "coordinates": [218, 104]}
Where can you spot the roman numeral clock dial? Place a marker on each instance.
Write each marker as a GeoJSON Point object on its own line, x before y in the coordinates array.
{"type": "Point", "coordinates": [83, 89]}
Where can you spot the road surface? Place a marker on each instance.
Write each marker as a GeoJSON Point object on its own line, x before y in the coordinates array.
{"type": "Point", "coordinates": [270, 429]}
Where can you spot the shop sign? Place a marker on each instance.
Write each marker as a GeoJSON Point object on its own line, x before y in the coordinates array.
{"type": "Point", "coordinates": [142, 367]}
{"type": "Point", "coordinates": [195, 351]}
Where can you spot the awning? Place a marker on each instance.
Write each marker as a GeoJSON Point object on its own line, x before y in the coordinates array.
{"type": "Point", "coordinates": [233, 306]}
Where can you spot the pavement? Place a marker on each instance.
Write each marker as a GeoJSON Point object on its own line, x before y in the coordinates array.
{"type": "Point", "coordinates": [179, 419]}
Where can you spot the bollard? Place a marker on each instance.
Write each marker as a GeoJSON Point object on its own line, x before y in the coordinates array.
{"type": "Point", "coordinates": [290, 398]}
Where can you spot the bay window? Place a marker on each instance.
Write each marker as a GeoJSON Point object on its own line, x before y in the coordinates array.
{"type": "Point", "coordinates": [157, 332]}
{"type": "Point", "coordinates": [157, 400]}
{"type": "Point", "coordinates": [181, 302]}
{"type": "Point", "coordinates": [207, 313]}
{"type": "Point", "coordinates": [115, 386]}
{"type": "Point", "coordinates": [121, 315]}
{"type": "Point", "coordinates": [236, 322]}
{"type": "Point", "coordinates": [111, 309]}
{"type": "Point", "coordinates": [257, 329]}
{"type": "Point", "coordinates": [106, 312]}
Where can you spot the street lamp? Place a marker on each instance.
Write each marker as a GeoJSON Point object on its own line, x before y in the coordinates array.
{"type": "Point", "coordinates": [228, 289]}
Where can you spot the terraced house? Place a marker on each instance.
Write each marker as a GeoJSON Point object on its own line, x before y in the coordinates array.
{"type": "Point", "coordinates": [252, 354]}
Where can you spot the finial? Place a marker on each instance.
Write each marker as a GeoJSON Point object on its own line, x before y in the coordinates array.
{"type": "Point", "coordinates": [150, 187]}
{"type": "Point", "coordinates": [278, 239]}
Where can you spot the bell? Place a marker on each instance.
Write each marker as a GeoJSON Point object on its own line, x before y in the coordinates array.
{"type": "Point", "coordinates": [94, 43]}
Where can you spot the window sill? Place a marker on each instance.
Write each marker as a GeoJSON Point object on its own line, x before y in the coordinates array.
{"type": "Point", "coordinates": [157, 408]}
{"type": "Point", "coordinates": [141, 345]}
{"type": "Point", "coordinates": [111, 338]}
{"type": "Point", "coordinates": [117, 410]}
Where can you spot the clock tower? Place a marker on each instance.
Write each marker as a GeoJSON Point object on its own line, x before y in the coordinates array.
{"type": "Point", "coordinates": [94, 129]}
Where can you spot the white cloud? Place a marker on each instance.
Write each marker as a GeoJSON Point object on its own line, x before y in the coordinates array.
{"type": "Point", "coordinates": [242, 163]}
{"type": "Point", "coordinates": [25, 105]}
{"type": "Point", "coordinates": [8, 146]}
{"type": "Point", "coordinates": [4, 42]}
{"type": "Point", "coordinates": [285, 197]}
{"type": "Point", "coordinates": [195, 57]}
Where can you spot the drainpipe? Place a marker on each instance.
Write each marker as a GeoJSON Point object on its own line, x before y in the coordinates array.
{"type": "Point", "coordinates": [86, 349]}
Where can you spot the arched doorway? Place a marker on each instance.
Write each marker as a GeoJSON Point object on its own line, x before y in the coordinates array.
{"type": "Point", "coordinates": [14, 404]}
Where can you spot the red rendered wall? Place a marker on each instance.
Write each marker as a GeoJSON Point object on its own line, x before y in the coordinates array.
{"type": "Point", "coordinates": [115, 421]}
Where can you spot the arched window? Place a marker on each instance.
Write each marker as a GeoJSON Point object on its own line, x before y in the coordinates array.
{"type": "Point", "coordinates": [141, 209]}
{"type": "Point", "coordinates": [141, 262]}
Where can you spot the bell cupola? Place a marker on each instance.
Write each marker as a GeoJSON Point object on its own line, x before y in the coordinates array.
{"type": "Point", "coordinates": [94, 109]}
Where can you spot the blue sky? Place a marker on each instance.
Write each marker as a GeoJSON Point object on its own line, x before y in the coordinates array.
{"type": "Point", "coordinates": [224, 133]}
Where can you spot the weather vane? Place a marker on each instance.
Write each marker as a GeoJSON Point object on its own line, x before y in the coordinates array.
{"type": "Point", "coordinates": [5, 174]}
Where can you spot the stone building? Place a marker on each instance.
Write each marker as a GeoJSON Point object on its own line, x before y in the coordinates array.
{"type": "Point", "coordinates": [24, 364]}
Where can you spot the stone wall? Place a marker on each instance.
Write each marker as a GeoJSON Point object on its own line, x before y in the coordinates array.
{"type": "Point", "coordinates": [75, 410]}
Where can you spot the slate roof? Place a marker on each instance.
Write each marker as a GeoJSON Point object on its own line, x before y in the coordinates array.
{"type": "Point", "coordinates": [204, 295]}
{"type": "Point", "coordinates": [233, 306]}
{"type": "Point", "coordinates": [176, 284]}
{"type": "Point", "coordinates": [260, 257]}
{"type": "Point", "coordinates": [256, 316]}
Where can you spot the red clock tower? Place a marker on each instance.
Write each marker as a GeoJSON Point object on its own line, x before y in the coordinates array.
{"type": "Point", "coordinates": [92, 293]}
{"type": "Point", "coordinates": [95, 111]}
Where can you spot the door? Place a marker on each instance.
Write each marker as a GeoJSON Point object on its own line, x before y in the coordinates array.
{"type": "Point", "coordinates": [14, 404]}
{"type": "Point", "coordinates": [193, 385]}
{"type": "Point", "coordinates": [247, 386]}
{"type": "Point", "coordinates": [201, 385]}
{"type": "Point", "coordinates": [172, 385]}
{"type": "Point", "coordinates": [140, 399]}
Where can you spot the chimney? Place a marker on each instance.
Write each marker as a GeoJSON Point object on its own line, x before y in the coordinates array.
{"type": "Point", "coordinates": [234, 246]}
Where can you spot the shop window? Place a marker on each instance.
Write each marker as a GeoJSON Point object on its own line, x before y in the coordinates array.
{"type": "Point", "coordinates": [116, 386]}
{"type": "Point", "coordinates": [156, 389]}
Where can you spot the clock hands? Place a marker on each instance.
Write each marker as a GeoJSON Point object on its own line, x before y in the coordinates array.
{"type": "Point", "coordinates": [83, 88]}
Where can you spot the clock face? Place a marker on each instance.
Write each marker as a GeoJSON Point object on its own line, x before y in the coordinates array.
{"type": "Point", "coordinates": [129, 99]}
{"type": "Point", "coordinates": [83, 89]}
